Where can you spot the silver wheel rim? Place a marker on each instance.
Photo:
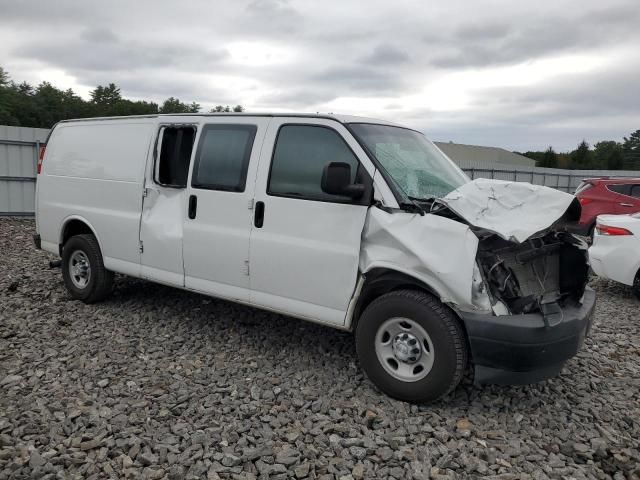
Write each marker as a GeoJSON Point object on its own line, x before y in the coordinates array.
{"type": "Point", "coordinates": [79, 269]}
{"type": "Point", "coordinates": [404, 349]}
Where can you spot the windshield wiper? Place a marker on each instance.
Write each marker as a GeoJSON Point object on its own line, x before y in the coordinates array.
{"type": "Point", "coordinates": [412, 207]}
{"type": "Point", "coordinates": [423, 200]}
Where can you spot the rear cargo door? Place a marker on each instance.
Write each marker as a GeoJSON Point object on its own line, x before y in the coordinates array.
{"type": "Point", "coordinates": [219, 210]}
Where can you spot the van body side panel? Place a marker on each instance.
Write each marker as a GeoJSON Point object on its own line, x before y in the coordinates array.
{"type": "Point", "coordinates": [93, 171]}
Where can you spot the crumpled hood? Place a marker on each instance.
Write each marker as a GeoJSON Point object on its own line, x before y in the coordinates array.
{"type": "Point", "coordinates": [512, 210]}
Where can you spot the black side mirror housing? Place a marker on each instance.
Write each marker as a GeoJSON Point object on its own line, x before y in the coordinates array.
{"type": "Point", "coordinates": [336, 180]}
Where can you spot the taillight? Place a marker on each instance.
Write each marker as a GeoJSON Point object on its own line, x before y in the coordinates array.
{"type": "Point", "coordinates": [584, 201]}
{"type": "Point", "coordinates": [40, 158]}
{"type": "Point", "coordinates": [609, 230]}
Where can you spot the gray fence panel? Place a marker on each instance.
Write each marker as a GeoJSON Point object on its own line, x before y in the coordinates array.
{"type": "Point", "coordinates": [18, 158]}
{"type": "Point", "coordinates": [561, 179]}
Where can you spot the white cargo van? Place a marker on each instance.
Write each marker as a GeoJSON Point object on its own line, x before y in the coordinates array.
{"type": "Point", "coordinates": [354, 223]}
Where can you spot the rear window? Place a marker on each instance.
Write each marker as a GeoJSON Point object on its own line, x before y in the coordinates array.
{"type": "Point", "coordinates": [620, 188]}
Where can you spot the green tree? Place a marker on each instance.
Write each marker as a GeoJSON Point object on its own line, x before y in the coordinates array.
{"type": "Point", "coordinates": [549, 159]}
{"type": "Point", "coordinates": [173, 105]}
{"type": "Point", "coordinates": [607, 155]}
{"type": "Point", "coordinates": [221, 109]}
{"type": "Point", "coordinates": [582, 157]}
{"type": "Point", "coordinates": [106, 96]}
{"type": "Point", "coordinates": [8, 96]}
{"type": "Point", "coordinates": [43, 106]}
{"type": "Point", "coordinates": [631, 151]}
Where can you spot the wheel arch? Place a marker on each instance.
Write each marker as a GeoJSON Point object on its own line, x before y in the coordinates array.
{"type": "Point", "coordinates": [379, 281]}
{"type": "Point", "coordinates": [76, 225]}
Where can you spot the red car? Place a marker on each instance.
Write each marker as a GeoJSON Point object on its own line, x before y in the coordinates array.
{"type": "Point", "coordinates": [606, 195]}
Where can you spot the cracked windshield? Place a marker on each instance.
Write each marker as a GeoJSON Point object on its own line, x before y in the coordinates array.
{"type": "Point", "coordinates": [418, 169]}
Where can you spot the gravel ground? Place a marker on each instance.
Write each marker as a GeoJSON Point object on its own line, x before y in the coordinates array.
{"type": "Point", "coordinates": [159, 383]}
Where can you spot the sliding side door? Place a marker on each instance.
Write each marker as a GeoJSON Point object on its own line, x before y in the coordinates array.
{"type": "Point", "coordinates": [218, 218]}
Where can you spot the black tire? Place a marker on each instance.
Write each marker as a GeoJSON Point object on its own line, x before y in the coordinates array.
{"type": "Point", "coordinates": [591, 232]}
{"type": "Point", "coordinates": [100, 280]}
{"type": "Point", "coordinates": [636, 285]}
{"type": "Point", "coordinates": [450, 353]}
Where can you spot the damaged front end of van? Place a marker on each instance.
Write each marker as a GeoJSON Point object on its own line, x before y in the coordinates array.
{"type": "Point", "coordinates": [497, 253]}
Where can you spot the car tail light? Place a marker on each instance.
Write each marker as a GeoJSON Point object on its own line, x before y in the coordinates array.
{"type": "Point", "coordinates": [584, 201]}
{"type": "Point", "coordinates": [609, 230]}
{"type": "Point", "coordinates": [40, 158]}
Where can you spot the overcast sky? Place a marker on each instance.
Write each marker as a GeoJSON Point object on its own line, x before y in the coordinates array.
{"type": "Point", "coordinates": [521, 75]}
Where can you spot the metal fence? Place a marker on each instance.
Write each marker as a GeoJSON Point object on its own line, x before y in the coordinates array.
{"type": "Point", "coordinates": [561, 179]}
{"type": "Point", "coordinates": [19, 147]}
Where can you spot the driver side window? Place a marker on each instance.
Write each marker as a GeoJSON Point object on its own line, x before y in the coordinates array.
{"type": "Point", "coordinates": [300, 155]}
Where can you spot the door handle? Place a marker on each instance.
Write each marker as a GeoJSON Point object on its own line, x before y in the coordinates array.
{"type": "Point", "coordinates": [258, 219]}
{"type": "Point", "coordinates": [193, 206]}
{"type": "Point", "coordinates": [626, 204]}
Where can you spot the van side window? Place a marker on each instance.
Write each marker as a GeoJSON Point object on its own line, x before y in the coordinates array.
{"type": "Point", "coordinates": [172, 166]}
{"type": "Point", "coordinates": [300, 155]}
{"type": "Point", "coordinates": [223, 157]}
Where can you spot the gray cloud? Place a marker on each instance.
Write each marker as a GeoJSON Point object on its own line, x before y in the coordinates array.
{"type": "Point", "coordinates": [492, 43]}
{"type": "Point", "coordinates": [276, 17]}
{"type": "Point", "coordinates": [385, 54]}
{"type": "Point", "coordinates": [100, 50]}
{"type": "Point", "coordinates": [342, 50]}
{"type": "Point", "coordinates": [359, 78]}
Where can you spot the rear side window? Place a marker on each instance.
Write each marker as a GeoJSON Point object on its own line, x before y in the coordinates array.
{"type": "Point", "coordinates": [299, 158]}
{"type": "Point", "coordinates": [223, 157]}
{"type": "Point", "coordinates": [623, 189]}
{"type": "Point", "coordinates": [172, 167]}
{"type": "Point", "coordinates": [635, 191]}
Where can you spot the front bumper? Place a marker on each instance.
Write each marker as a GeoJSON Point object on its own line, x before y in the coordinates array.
{"type": "Point", "coordinates": [521, 349]}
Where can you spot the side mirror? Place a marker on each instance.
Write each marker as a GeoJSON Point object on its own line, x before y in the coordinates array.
{"type": "Point", "coordinates": [336, 180]}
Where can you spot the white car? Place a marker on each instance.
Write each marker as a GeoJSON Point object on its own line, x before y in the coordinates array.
{"type": "Point", "coordinates": [355, 223]}
{"type": "Point", "coordinates": [615, 253]}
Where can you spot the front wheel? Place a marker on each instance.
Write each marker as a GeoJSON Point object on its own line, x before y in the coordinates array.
{"type": "Point", "coordinates": [411, 346]}
{"type": "Point", "coordinates": [83, 270]}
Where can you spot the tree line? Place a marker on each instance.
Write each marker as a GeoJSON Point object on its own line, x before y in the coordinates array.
{"type": "Point", "coordinates": [41, 106]}
{"type": "Point", "coordinates": [605, 155]}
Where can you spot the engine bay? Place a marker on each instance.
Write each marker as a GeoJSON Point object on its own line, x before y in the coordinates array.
{"type": "Point", "coordinates": [537, 275]}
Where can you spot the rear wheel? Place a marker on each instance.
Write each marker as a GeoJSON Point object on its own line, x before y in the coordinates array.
{"type": "Point", "coordinates": [636, 285]}
{"type": "Point", "coordinates": [83, 269]}
{"type": "Point", "coordinates": [411, 346]}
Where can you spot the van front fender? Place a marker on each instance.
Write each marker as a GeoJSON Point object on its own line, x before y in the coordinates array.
{"type": "Point", "coordinates": [436, 250]}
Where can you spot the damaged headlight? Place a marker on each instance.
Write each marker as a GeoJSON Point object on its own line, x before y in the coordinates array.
{"type": "Point", "coordinates": [479, 293]}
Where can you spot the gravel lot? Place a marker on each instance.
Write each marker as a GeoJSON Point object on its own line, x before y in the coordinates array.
{"type": "Point", "coordinates": [159, 383]}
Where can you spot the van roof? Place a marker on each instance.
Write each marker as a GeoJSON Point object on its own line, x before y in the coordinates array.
{"type": "Point", "coordinates": [329, 116]}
